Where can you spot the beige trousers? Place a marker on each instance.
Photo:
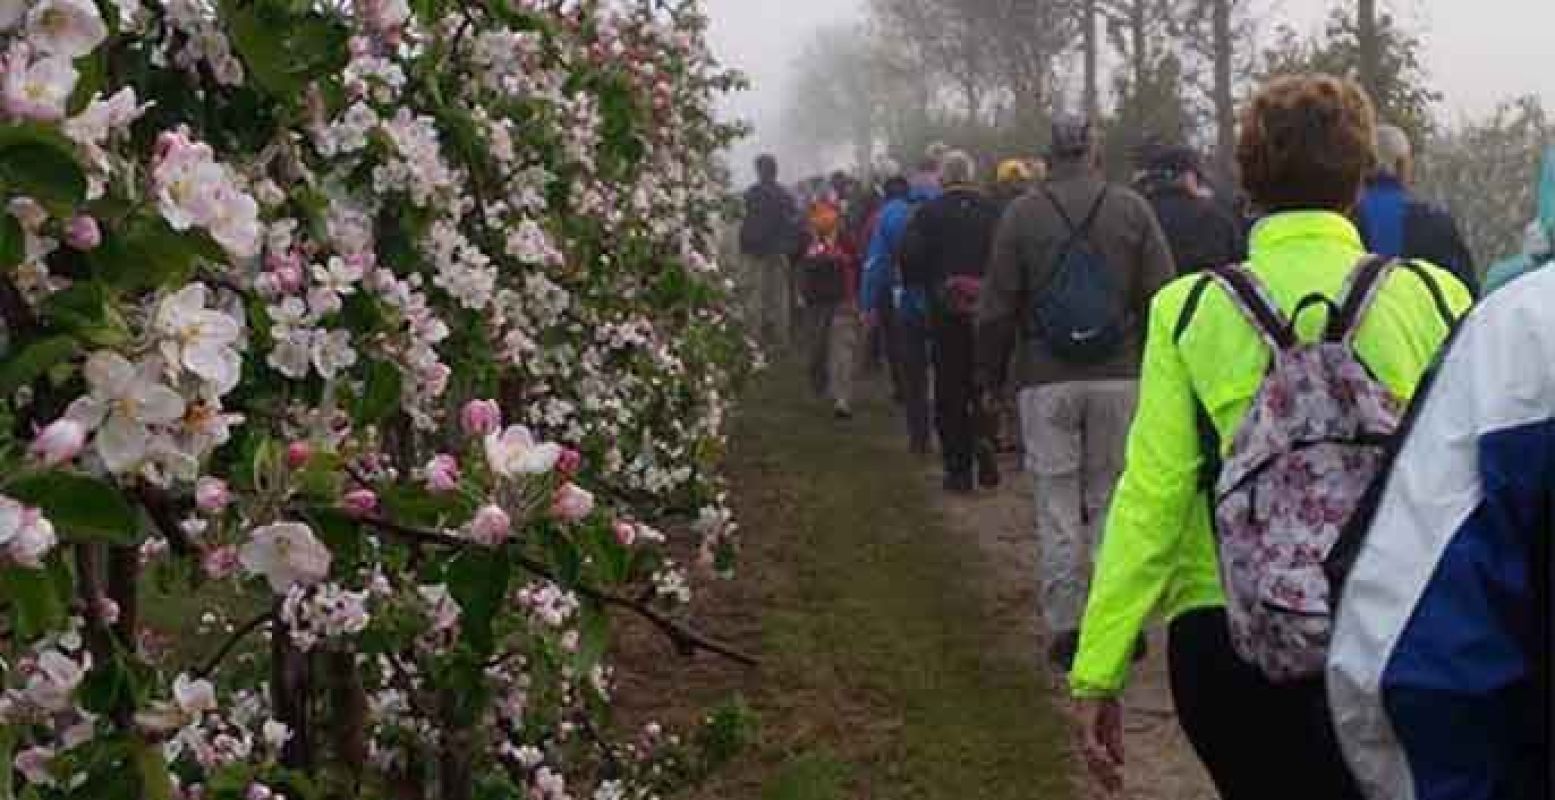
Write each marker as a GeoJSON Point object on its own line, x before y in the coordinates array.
{"type": "Point", "coordinates": [1075, 434]}
{"type": "Point", "coordinates": [832, 334]}
{"type": "Point", "coordinates": [772, 306]}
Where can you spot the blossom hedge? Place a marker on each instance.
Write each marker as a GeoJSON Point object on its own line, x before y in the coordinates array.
{"type": "Point", "coordinates": [394, 321]}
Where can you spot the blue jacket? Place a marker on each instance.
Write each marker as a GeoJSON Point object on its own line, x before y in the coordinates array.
{"type": "Point", "coordinates": [1395, 223]}
{"type": "Point", "coordinates": [1438, 656]}
{"type": "Point", "coordinates": [881, 275]}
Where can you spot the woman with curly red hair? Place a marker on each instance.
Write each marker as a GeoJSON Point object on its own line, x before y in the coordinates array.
{"type": "Point", "coordinates": [1306, 145]}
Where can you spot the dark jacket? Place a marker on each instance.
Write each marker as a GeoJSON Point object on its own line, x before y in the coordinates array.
{"type": "Point", "coordinates": [771, 225]}
{"type": "Point", "coordinates": [950, 235]}
{"type": "Point", "coordinates": [1395, 223]}
{"type": "Point", "coordinates": [1200, 233]}
{"type": "Point", "coordinates": [1026, 251]}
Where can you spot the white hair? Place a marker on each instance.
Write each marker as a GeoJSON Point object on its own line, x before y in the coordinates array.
{"type": "Point", "coordinates": [1393, 150]}
{"type": "Point", "coordinates": [958, 167]}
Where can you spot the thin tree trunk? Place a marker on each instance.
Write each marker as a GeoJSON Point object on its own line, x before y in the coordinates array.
{"type": "Point", "coordinates": [1140, 46]}
{"type": "Point", "coordinates": [1225, 103]}
{"type": "Point", "coordinates": [1370, 50]}
{"type": "Point", "coordinates": [1092, 76]}
{"type": "Point", "coordinates": [290, 693]}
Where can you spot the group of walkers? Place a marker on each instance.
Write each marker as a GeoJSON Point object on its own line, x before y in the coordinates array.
{"type": "Point", "coordinates": [1227, 421]}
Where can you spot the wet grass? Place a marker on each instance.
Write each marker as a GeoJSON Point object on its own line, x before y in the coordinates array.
{"type": "Point", "coordinates": [883, 675]}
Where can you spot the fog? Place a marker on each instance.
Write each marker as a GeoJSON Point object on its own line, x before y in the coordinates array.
{"type": "Point", "coordinates": [1478, 52]}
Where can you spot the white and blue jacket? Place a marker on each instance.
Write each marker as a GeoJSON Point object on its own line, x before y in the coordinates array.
{"type": "Point", "coordinates": [1438, 668]}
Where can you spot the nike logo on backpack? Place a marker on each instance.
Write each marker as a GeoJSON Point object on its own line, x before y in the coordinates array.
{"type": "Point", "coordinates": [1080, 337]}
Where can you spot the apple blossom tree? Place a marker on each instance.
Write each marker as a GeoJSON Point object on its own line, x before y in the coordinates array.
{"type": "Point", "coordinates": [393, 322]}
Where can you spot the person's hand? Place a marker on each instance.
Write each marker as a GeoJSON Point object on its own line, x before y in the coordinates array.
{"type": "Point", "coordinates": [1103, 746]}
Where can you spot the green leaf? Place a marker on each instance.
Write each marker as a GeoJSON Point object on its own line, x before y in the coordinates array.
{"type": "Point", "coordinates": [155, 781]}
{"type": "Point", "coordinates": [36, 605]}
{"type": "Point", "coordinates": [146, 253]}
{"type": "Point", "coordinates": [41, 164]}
{"type": "Point", "coordinates": [478, 580]}
{"type": "Point", "coordinates": [7, 748]}
{"type": "Point", "coordinates": [381, 396]}
{"type": "Point", "coordinates": [35, 359]}
{"type": "Point", "coordinates": [87, 311]}
{"type": "Point", "coordinates": [414, 505]}
{"type": "Point", "coordinates": [80, 506]}
{"type": "Point", "coordinates": [108, 686]}
{"type": "Point", "coordinates": [285, 51]}
{"type": "Point", "coordinates": [13, 241]}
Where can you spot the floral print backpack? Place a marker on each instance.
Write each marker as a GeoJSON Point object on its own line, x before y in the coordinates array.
{"type": "Point", "coordinates": [1312, 443]}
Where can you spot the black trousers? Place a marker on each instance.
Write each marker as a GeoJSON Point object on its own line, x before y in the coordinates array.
{"type": "Point", "coordinates": [1259, 740]}
{"type": "Point", "coordinates": [913, 351]}
{"type": "Point", "coordinates": [954, 394]}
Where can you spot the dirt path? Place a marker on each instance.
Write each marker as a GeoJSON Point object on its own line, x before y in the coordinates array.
{"type": "Point", "coordinates": [1161, 765]}
{"type": "Point", "coordinates": [896, 629]}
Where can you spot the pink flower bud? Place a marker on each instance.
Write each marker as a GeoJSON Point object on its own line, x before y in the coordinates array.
{"type": "Point", "coordinates": [480, 417]}
{"type": "Point", "coordinates": [258, 791]}
{"type": "Point", "coordinates": [569, 462]}
{"type": "Point", "coordinates": [298, 454]}
{"type": "Point", "coordinates": [442, 474]}
{"type": "Point", "coordinates": [61, 441]}
{"type": "Point", "coordinates": [83, 233]}
{"type": "Point", "coordinates": [492, 526]}
{"type": "Point", "coordinates": [572, 503]}
{"type": "Point", "coordinates": [220, 563]}
{"type": "Point", "coordinates": [212, 495]}
{"type": "Point", "coordinates": [360, 502]}
{"type": "Point", "coordinates": [289, 277]}
{"type": "Point", "coordinates": [626, 534]}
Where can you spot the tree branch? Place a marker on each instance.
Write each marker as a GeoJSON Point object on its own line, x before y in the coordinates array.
{"type": "Point", "coordinates": [687, 639]}
{"type": "Point", "coordinates": [227, 647]}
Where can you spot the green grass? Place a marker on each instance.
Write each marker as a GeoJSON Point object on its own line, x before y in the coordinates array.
{"type": "Point", "coordinates": [884, 677]}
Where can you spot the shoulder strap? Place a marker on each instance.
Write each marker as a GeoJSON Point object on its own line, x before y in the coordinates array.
{"type": "Point", "coordinates": [1084, 228]}
{"type": "Point", "coordinates": [1250, 297]}
{"type": "Point", "coordinates": [1360, 292]}
{"type": "Point", "coordinates": [1442, 306]}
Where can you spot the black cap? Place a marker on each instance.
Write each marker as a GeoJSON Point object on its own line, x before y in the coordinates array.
{"type": "Point", "coordinates": [1071, 135]}
{"type": "Point", "coordinates": [1176, 161]}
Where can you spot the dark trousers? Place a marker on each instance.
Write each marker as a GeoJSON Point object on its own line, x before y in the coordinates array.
{"type": "Point", "coordinates": [1259, 740]}
{"type": "Point", "coordinates": [913, 356]}
{"type": "Point", "coordinates": [954, 395]}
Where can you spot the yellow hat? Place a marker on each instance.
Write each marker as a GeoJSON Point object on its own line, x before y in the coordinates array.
{"type": "Point", "coordinates": [1013, 170]}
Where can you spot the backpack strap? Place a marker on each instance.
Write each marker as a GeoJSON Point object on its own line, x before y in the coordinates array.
{"type": "Point", "coordinates": [1084, 228]}
{"type": "Point", "coordinates": [1250, 297]}
{"type": "Point", "coordinates": [1359, 293]}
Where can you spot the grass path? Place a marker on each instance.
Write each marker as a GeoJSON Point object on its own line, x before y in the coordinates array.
{"type": "Point", "coordinates": [884, 674]}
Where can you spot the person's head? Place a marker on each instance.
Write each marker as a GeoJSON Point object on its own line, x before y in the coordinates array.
{"type": "Point", "coordinates": [1395, 157]}
{"type": "Point", "coordinates": [1013, 173]}
{"type": "Point", "coordinates": [897, 187]}
{"type": "Point", "coordinates": [766, 168]}
{"type": "Point", "coordinates": [1074, 141]}
{"type": "Point", "coordinates": [957, 167]}
{"type": "Point", "coordinates": [935, 153]}
{"type": "Point", "coordinates": [1178, 166]}
{"type": "Point", "coordinates": [824, 219]}
{"type": "Point", "coordinates": [1307, 142]}
{"type": "Point", "coordinates": [841, 182]}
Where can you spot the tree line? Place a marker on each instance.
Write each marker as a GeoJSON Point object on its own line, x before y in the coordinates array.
{"type": "Point", "coordinates": [986, 74]}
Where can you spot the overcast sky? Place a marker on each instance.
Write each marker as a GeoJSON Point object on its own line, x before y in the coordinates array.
{"type": "Point", "coordinates": [1479, 51]}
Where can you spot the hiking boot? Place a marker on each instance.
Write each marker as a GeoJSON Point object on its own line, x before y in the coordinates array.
{"type": "Point", "coordinates": [987, 469]}
{"type": "Point", "coordinates": [958, 482]}
{"type": "Point", "coordinates": [842, 411]}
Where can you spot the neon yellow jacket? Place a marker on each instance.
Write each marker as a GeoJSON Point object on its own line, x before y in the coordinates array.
{"type": "Point", "coordinates": [1158, 554]}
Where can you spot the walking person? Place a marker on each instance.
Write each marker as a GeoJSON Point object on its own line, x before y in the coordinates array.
{"type": "Point", "coordinates": [885, 304]}
{"type": "Point", "coordinates": [944, 254]}
{"type": "Point", "coordinates": [1439, 674]}
{"type": "Point", "coordinates": [1394, 222]}
{"type": "Point", "coordinates": [1073, 267]}
{"type": "Point", "coordinates": [1200, 232]}
{"type": "Point", "coordinates": [1230, 409]}
{"type": "Point", "coordinates": [828, 290]}
{"type": "Point", "coordinates": [768, 236]}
